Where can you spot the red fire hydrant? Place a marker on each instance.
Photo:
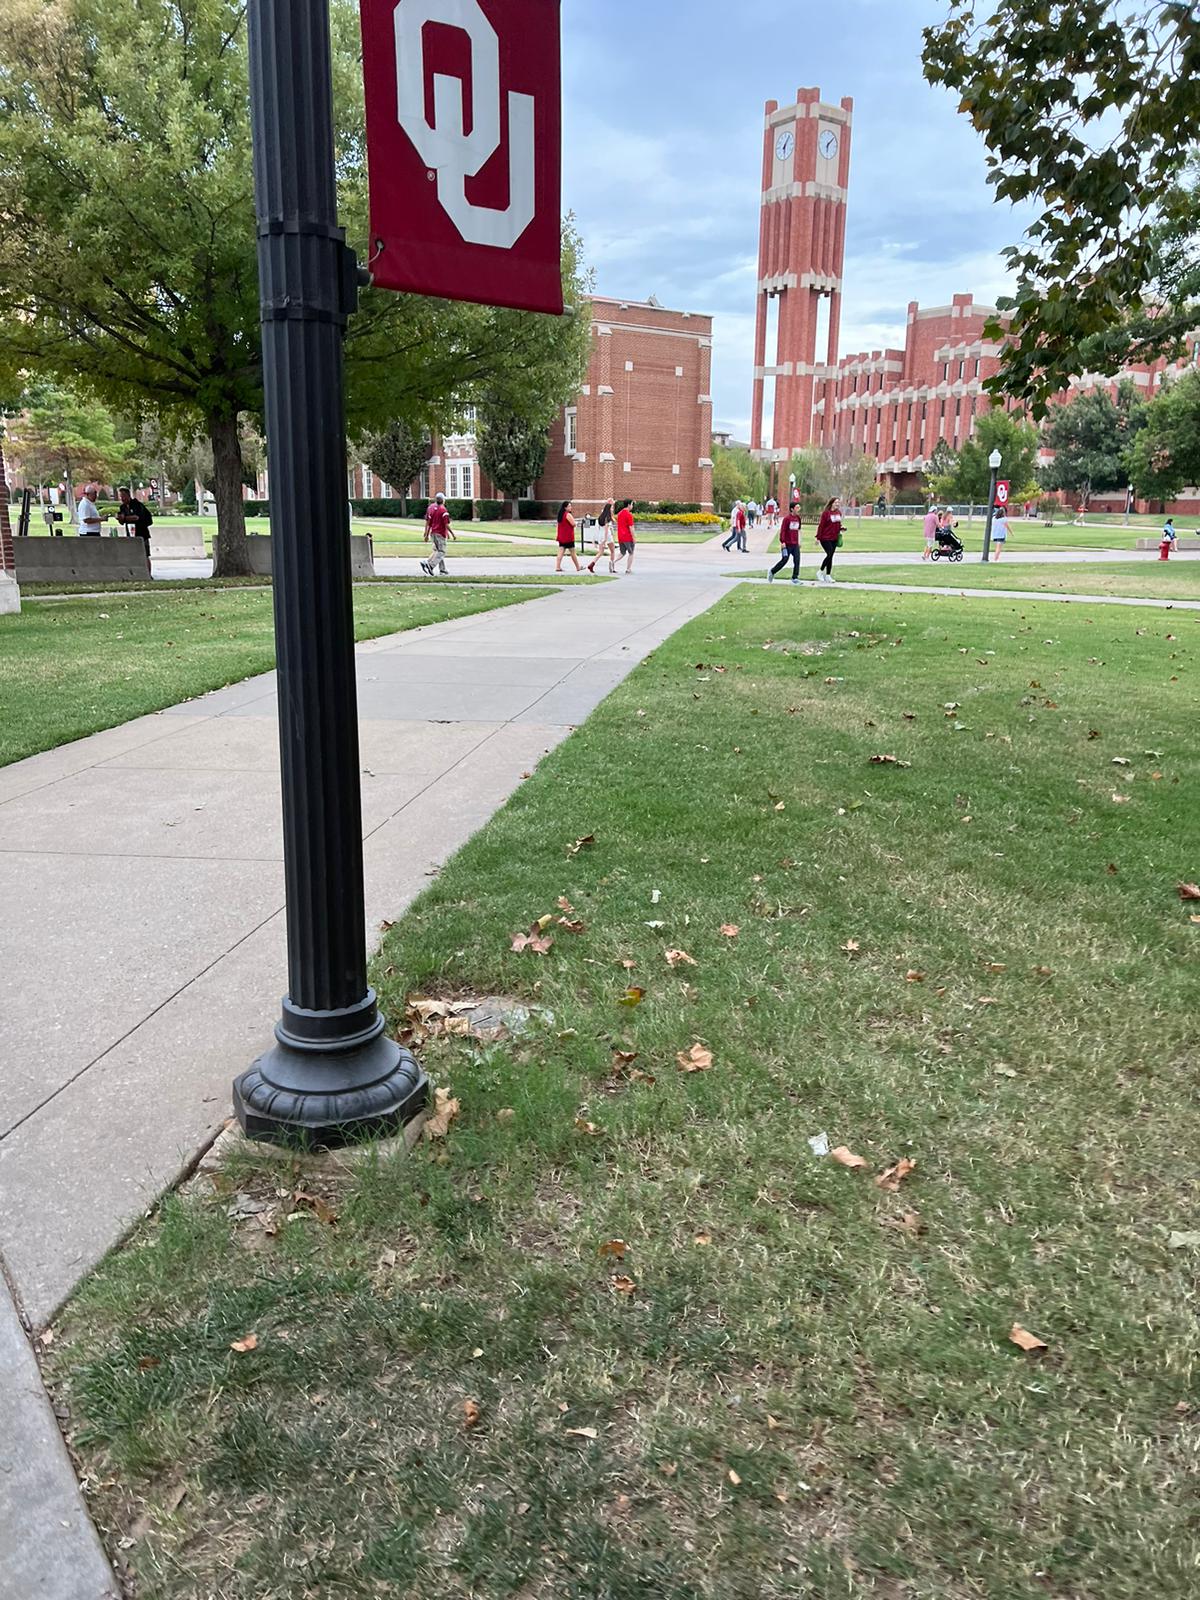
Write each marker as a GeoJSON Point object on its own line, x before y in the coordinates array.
{"type": "Point", "coordinates": [1164, 549]}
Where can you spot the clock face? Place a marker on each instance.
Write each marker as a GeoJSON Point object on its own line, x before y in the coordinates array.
{"type": "Point", "coordinates": [828, 144]}
{"type": "Point", "coordinates": [784, 145]}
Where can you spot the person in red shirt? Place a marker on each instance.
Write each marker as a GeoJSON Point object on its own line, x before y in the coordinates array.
{"type": "Point", "coordinates": [625, 539]}
{"type": "Point", "coordinates": [829, 535]}
{"type": "Point", "coordinates": [437, 531]}
{"type": "Point", "coordinates": [566, 536]}
{"type": "Point", "coordinates": [737, 528]}
{"type": "Point", "coordinates": [789, 546]}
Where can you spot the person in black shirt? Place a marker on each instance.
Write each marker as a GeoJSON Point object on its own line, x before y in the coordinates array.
{"type": "Point", "coordinates": [133, 515]}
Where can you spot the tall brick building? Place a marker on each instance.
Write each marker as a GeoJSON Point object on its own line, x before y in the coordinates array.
{"type": "Point", "coordinates": [639, 429]}
{"type": "Point", "coordinates": [801, 255]}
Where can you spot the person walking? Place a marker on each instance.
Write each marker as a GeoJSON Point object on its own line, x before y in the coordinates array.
{"type": "Point", "coordinates": [737, 526]}
{"type": "Point", "coordinates": [1166, 544]}
{"type": "Point", "coordinates": [999, 532]}
{"type": "Point", "coordinates": [86, 514]}
{"type": "Point", "coordinates": [933, 522]}
{"type": "Point", "coordinates": [789, 547]}
{"type": "Point", "coordinates": [566, 537]}
{"type": "Point", "coordinates": [437, 531]}
{"type": "Point", "coordinates": [772, 511]}
{"type": "Point", "coordinates": [829, 536]}
{"type": "Point", "coordinates": [133, 516]}
{"type": "Point", "coordinates": [607, 545]}
{"type": "Point", "coordinates": [625, 535]}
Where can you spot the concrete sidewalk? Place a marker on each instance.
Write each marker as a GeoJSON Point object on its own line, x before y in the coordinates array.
{"type": "Point", "coordinates": [143, 943]}
{"type": "Point", "coordinates": [143, 949]}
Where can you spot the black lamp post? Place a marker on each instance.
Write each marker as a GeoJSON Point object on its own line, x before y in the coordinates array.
{"type": "Point", "coordinates": [994, 461]}
{"type": "Point", "coordinates": [332, 1072]}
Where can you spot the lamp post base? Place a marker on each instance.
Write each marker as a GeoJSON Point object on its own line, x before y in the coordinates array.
{"type": "Point", "coordinates": [317, 1092]}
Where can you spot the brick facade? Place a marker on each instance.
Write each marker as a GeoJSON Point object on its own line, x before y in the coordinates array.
{"type": "Point", "coordinates": [640, 427]}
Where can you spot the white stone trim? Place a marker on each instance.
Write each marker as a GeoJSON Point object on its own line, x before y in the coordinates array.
{"type": "Point", "coordinates": [629, 366]}
{"type": "Point", "coordinates": [628, 467]}
{"type": "Point", "coordinates": [675, 470]}
{"type": "Point", "coordinates": [602, 329]}
{"type": "Point", "coordinates": [607, 455]}
{"type": "Point", "coordinates": [778, 282]}
{"type": "Point", "coordinates": [704, 461]}
{"type": "Point", "coordinates": [605, 388]}
{"type": "Point", "coordinates": [704, 399]}
{"type": "Point", "coordinates": [679, 372]}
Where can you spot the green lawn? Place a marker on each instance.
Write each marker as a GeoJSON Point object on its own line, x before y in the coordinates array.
{"type": "Point", "coordinates": [623, 1333]}
{"type": "Point", "coordinates": [69, 668]}
{"type": "Point", "coordinates": [1145, 579]}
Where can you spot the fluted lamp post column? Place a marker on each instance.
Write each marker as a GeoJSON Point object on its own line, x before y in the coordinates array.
{"type": "Point", "coordinates": [333, 1073]}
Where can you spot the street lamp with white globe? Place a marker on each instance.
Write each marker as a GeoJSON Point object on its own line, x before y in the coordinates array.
{"type": "Point", "coordinates": [994, 461]}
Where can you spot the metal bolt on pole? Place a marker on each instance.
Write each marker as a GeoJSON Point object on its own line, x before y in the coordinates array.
{"type": "Point", "coordinates": [332, 1073]}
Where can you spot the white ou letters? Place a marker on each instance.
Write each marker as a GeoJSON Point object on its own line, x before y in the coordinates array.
{"type": "Point", "coordinates": [447, 148]}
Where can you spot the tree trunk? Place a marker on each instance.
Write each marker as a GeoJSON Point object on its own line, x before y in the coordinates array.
{"type": "Point", "coordinates": [231, 559]}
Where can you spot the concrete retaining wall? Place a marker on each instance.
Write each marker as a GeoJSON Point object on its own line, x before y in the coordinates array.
{"type": "Point", "coordinates": [362, 557]}
{"type": "Point", "coordinates": [169, 542]}
{"type": "Point", "coordinates": [1181, 543]}
{"type": "Point", "coordinates": [75, 560]}
{"type": "Point", "coordinates": [10, 595]}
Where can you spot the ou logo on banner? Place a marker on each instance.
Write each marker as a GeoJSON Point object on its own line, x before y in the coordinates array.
{"type": "Point", "coordinates": [446, 148]}
{"type": "Point", "coordinates": [1002, 489]}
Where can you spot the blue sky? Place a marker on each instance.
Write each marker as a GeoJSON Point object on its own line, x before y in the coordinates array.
{"type": "Point", "coordinates": [663, 106]}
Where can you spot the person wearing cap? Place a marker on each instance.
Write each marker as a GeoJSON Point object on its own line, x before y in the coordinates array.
{"type": "Point", "coordinates": [437, 531]}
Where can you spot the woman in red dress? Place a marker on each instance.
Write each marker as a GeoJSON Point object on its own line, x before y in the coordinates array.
{"type": "Point", "coordinates": [566, 536]}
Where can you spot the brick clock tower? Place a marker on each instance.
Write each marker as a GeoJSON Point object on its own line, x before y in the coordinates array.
{"type": "Point", "coordinates": [802, 248]}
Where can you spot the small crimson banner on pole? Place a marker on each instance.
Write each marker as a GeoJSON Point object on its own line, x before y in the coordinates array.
{"type": "Point", "coordinates": [1002, 489]}
{"type": "Point", "coordinates": [464, 149]}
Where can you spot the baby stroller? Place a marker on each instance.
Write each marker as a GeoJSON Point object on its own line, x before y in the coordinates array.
{"type": "Point", "coordinates": [949, 545]}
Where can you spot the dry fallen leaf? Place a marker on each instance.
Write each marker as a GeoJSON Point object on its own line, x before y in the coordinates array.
{"type": "Point", "coordinates": [703, 1239]}
{"type": "Point", "coordinates": [1043, 972]}
{"type": "Point", "coordinates": [996, 966]}
{"type": "Point", "coordinates": [1026, 1340]}
{"type": "Point", "coordinates": [585, 843]}
{"type": "Point", "coordinates": [851, 947]}
{"type": "Point", "coordinates": [445, 1109]}
{"type": "Point", "coordinates": [628, 964]}
{"type": "Point", "coordinates": [733, 1478]}
{"type": "Point", "coordinates": [565, 905]}
{"type": "Point", "coordinates": [615, 1248]}
{"type": "Point", "coordinates": [908, 1222]}
{"type": "Point", "coordinates": [730, 930]}
{"type": "Point", "coordinates": [668, 1469]}
{"type": "Point", "coordinates": [506, 1116]}
{"type": "Point", "coordinates": [1121, 799]}
{"type": "Point", "coordinates": [623, 1058]}
{"type": "Point", "coordinates": [914, 977]}
{"type": "Point", "coordinates": [471, 1413]}
{"type": "Point", "coordinates": [582, 1433]}
{"type": "Point", "coordinates": [582, 1125]}
{"type": "Point", "coordinates": [895, 1176]}
{"type": "Point", "coordinates": [676, 958]}
{"type": "Point", "coordinates": [1189, 891]}
{"type": "Point", "coordinates": [697, 1059]}
{"type": "Point", "coordinates": [632, 997]}
{"type": "Point", "coordinates": [846, 1158]}
{"type": "Point", "coordinates": [624, 1285]}
{"type": "Point", "coordinates": [245, 1345]}
{"type": "Point", "coordinates": [889, 761]}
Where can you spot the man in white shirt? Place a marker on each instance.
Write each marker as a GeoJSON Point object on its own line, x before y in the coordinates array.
{"type": "Point", "coordinates": [85, 511]}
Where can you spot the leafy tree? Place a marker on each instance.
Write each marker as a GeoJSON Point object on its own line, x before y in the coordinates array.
{"type": "Point", "coordinates": [970, 477]}
{"type": "Point", "coordinates": [1092, 111]}
{"type": "Point", "coordinates": [1164, 456]}
{"type": "Point", "coordinates": [58, 435]}
{"type": "Point", "coordinates": [512, 450]}
{"type": "Point", "coordinates": [941, 470]}
{"type": "Point", "coordinates": [736, 476]}
{"type": "Point", "coordinates": [1089, 435]}
{"type": "Point", "coordinates": [397, 454]}
{"type": "Point", "coordinates": [852, 473]}
{"type": "Point", "coordinates": [127, 260]}
{"type": "Point", "coordinates": [811, 469]}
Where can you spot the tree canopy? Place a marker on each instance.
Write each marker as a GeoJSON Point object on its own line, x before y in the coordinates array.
{"type": "Point", "coordinates": [512, 449]}
{"type": "Point", "coordinates": [127, 260]}
{"type": "Point", "coordinates": [396, 454]}
{"type": "Point", "coordinates": [969, 479]}
{"type": "Point", "coordinates": [1091, 111]}
{"type": "Point", "coordinates": [61, 435]}
{"type": "Point", "coordinates": [1090, 435]}
{"type": "Point", "coordinates": [1164, 456]}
